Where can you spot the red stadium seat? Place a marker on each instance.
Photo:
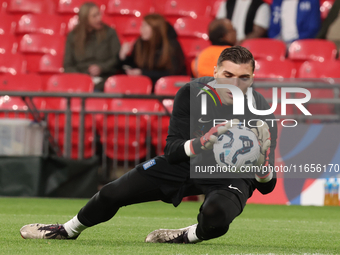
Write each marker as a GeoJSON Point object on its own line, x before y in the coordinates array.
{"type": "Point", "coordinates": [20, 82]}
{"type": "Point", "coordinates": [41, 24]}
{"type": "Point", "coordinates": [8, 44]}
{"type": "Point", "coordinates": [311, 49]}
{"type": "Point", "coordinates": [274, 69]}
{"type": "Point", "coordinates": [31, 6]}
{"type": "Point", "coordinates": [3, 6]}
{"type": "Point", "coordinates": [127, 26]}
{"type": "Point", "coordinates": [71, 7]}
{"type": "Point", "coordinates": [169, 85]}
{"type": "Point", "coordinates": [316, 69]}
{"type": "Point", "coordinates": [174, 9]}
{"type": "Point", "coordinates": [51, 64]}
{"type": "Point", "coordinates": [12, 64]}
{"type": "Point", "coordinates": [191, 48]}
{"type": "Point", "coordinates": [131, 8]}
{"type": "Point", "coordinates": [34, 46]}
{"type": "Point", "coordinates": [71, 83]}
{"type": "Point", "coordinates": [131, 129]}
{"type": "Point", "coordinates": [128, 84]}
{"type": "Point", "coordinates": [327, 70]}
{"type": "Point", "coordinates": [187, 27]}
{"type": "Point", "coordinates": [7, 24]}
{"type": "Point", "coordinates": [265, 48]}
{"type": "Point", "coordinates": [42, 44]}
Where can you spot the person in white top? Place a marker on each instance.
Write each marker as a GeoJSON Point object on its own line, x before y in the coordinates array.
{"type": "Point", "coordinates": [251, 18]}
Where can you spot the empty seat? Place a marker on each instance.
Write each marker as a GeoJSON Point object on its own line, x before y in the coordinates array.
{"type": "Point", "coordinates": [327, 70]}
{"type": "Point", "coordinates": [31, 6]}
{"type": "Point", "coordinates": [19, 82]}
{"type": "Point", "coordinates": [312, 49]}
{"type": "Point", "coordinates": [12, 64]}
{"type": "Point", "coordinates": [71, 83]}
{"type": "Point", "coordinates": [51, 64]}
{"type": "Point", "coordinates": [131, 128]}
{"type": "Point", "coordinates": [7, 24]}
{"type": "Point", "coordinates": [165, 86]}
{"type": "Point", "coordinates": [197, 28]}
{"type": "Point", "coordinates": [266, 48]}
{"type": "Point", "coordinates": [191, 48]}
{"type": "Point", "coordinates": [128, 84]}
{"type": "Point", "coordinates": [274, 69]}
{"type": "Point", "coordinates": [42, 44]}
{"type": "Point", "coordinates": [71, 7]}
{"type": "Point", "coordinates": [131, 8]}
{"type": "Point", "coordinates": [169, 85]}
{"type": "Point", "coordinates": [41, 24]}
{"type": "Point", "coordinates": [8, 44]}
{"type": "Point", "coordinates": [34, 46]}
{"type": "Point", "coordinates": [173, 9]}
{"type": "Point", "coordinates": [316, 69]}
{"type": "Point", "coordinates": [127, 27]}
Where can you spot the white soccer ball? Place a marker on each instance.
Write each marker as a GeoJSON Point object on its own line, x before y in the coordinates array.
{"type": "Point", "coordinates": [236, 148]}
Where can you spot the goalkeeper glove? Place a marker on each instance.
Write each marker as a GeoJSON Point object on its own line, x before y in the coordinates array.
{"type": "Point", "coordinates": [263, 137]}
{"type": "Point", "coordinates": [207, 141]}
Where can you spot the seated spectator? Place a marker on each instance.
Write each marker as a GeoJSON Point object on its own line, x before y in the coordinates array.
{"type": "Point", "coordinates": [330, 29]}
{"type": "Point", "coordinates": [249, 17]}
{"type": "Point", "coordinates": [92, 47]}
{"type": "Point", "coordinates": [156, 53]}
{"type": "Point", "coordinates": [294, 19]}
{"type": "Point", "coordinates": [222, 35]}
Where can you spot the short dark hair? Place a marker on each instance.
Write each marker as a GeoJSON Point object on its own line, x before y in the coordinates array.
{"type": "Point", "coordinates": [217, 34]}
{"type": "Point", "coordinates": [237, 55]}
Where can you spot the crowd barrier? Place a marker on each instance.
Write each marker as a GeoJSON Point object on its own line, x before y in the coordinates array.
{"type": "Point", "coordinates": [130, 128]}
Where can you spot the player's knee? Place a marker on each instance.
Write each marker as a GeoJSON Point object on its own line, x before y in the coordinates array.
{"type": "Point", "coordinates": [107, 193]}
{"type": "Point", "coordinates": [216, 214]}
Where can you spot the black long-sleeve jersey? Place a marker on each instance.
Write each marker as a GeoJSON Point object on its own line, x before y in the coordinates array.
{"type": "Point", "coordinates": [187, 123]}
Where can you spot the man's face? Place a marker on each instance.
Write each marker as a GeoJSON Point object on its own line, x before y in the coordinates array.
{"type": "Point", "coordinates": [240, 75]}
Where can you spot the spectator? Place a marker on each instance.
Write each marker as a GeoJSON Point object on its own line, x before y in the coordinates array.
{"type": "Point", "coordinates": [249, 17]}
{"type": "Point", "coordinates": [222, 35]}
{"type": "Point", "coordinates": [92, 47]}
{"type": "Point", "coordinates": [331, 26]}
{"type": "Point", "coordinates": [294, 19]}
{"type": "Point", "coordinates": [156, 53]}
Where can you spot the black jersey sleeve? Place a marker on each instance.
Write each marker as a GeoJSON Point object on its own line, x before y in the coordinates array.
{"type": "Point", "coordinates": [262, 104]}
{"type": "Point", "coordinates": [179, 128]}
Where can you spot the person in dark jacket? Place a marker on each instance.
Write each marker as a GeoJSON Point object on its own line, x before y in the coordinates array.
{"type": "Point", "coordinates": [156, 53]}
{"type": "Point", "coordinates": [92, 47]}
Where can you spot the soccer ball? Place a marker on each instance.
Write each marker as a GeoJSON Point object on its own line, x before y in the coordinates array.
{"type": "Point", "coordinates": [237, 147]}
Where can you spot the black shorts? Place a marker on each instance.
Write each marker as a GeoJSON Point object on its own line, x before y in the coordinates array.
{"type": "Point", "coordinates": [175, 182]}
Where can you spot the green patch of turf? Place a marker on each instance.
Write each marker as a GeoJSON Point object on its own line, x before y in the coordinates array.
{"type": "Point", "coordinates": [259, 229]}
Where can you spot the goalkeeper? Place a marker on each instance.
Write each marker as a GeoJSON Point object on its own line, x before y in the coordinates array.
{"type": "Point", "coordinates": [167, 177]}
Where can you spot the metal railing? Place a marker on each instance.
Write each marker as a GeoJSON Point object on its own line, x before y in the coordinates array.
{"type": "Point", "coordinates": [142, 151]}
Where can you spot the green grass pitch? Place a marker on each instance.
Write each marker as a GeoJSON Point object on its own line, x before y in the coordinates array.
{"type": "Point", "coordinates": [260, 229]}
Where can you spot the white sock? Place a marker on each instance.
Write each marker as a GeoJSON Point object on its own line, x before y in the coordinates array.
{"type": "Point", "coordinates": [73, 227]}
{"type": "Point", "coordinates": [192, 237]}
